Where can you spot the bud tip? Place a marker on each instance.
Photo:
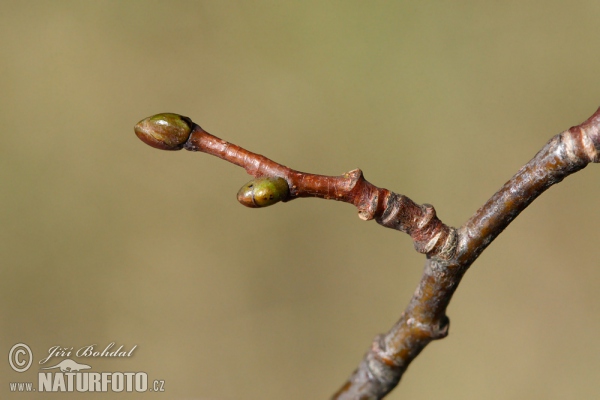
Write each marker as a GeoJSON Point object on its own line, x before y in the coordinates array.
{"type": "Point", "coordinates": [166, 131]}
{"type": "Point", "coordinates": [263, 192]}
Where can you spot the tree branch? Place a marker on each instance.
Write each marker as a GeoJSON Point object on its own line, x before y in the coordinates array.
{"type": "Point", "coordinates": [425, 317]}
{"type": "Point", "coordinates": [430, 236]}
{"type": "Point", "coordinates": [449, 251]}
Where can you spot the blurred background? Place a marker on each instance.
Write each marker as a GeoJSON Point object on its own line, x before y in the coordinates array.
{"type": "Point", "coordinates": [104, 239]}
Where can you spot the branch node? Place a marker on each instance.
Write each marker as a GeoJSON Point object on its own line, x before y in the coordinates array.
{"type": "Point", "coordinates": [366, 211]}
{"type": "Point", "coordinates": [395, 214]}
{"type": "Point", "coordinates": [590, 150]}
{"type": "Point", "coordinates": [441, 330]}
{"type": "Point", "coordinates": [378, 349]}
{"type": "Point", "coordinates": [448, 248]}
{"type": "Point", "coordinates": [428, 215]}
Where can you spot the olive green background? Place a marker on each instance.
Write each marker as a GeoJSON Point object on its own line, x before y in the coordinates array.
{"type": "Point", "coordinates": [104, 239]}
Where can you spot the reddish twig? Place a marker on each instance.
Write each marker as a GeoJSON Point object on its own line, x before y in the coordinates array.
{"type": "Point", "coordinates": [449, 251]}
{"type": "Point", "coordinates": [430, 235]}
{"type": "Point", "coordinates": [389, 209]}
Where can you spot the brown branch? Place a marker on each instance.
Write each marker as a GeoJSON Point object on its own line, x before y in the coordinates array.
{"type": "Point", "coordinates": [449, 252]}
{"type": "Point", "coordinates": [430, 236]}
{"type": "Point", "coordinates": [391, 210]}
{"type": "Point", "coordinates": [425, 317]}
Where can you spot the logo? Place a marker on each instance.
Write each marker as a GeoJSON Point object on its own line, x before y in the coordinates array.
{"type": "Point", "coordinates": [69, 366]}
{"type": "Point", "coordinates": [70, 375]}
{"type": "Point", "coordinates": [20, 357]}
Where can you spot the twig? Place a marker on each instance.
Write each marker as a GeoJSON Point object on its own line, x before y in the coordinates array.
{"type": "Point", "coordinates": [449, 251]}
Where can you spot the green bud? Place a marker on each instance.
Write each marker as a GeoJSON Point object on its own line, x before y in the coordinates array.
{"type": "Point", "coordinates": [263, 192]}
{"type": "Point", "coordinates": [165, 131]}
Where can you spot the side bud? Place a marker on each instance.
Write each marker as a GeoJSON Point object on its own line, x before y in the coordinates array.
{"type": "Point", "coordinates": [263, 192]}
{"type": "Point", "coordinates": [165, 131]}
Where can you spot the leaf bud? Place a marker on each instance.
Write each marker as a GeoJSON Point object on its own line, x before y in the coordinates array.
{"type": "Point", "coordinates": [166, 131]}
{"type": "Point", "coordinates": [263, 192]}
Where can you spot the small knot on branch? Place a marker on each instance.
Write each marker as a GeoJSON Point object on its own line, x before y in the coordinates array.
{"type": "Point", "coordinates": [375, 377]}
{"type": "Point", "coordinates": [430, 235]}
{"type": "Point", "coordinates": [590, 142]}
{"type": "Point", "coordinates": [431, 330]}
{"type": "Point", "coordinates": [379, 350]}
{"type": "Point", "coordinates": [428, 230]}
{"type": "Point", "coordinates": [441, 330]}
{"type": "Point", "coordinates": [366, 195]}
{"type": "Point", "coordinates": [588, 137]}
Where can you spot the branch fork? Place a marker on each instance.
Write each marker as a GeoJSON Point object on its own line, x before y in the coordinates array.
{"type": "Point", "coordinates": [449, 251]}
